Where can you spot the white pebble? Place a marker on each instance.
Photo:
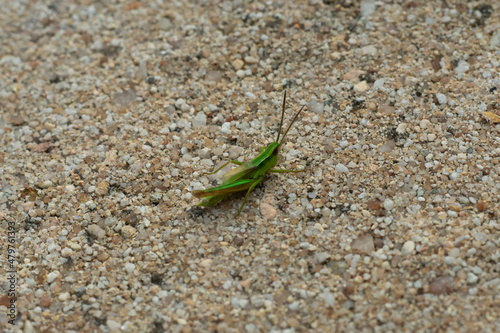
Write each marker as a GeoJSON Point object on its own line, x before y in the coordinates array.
{"type": "Point", "coordinates": [96, 231]}
{"type": "Point", "coordinates": [462, 67]}
{"type": "Point", "coordinates": [52, 276]}
{"type": "Point", "coordinates": [129, 267]}
{"type": "Point", "coordinates": [401, 128]}
{"type": "Point", "coordinates": [408, 248]}
{"type": "Point", "coordinates": [341, 168]}
{"type": "Point", "coordinates": [388, 204]}
{"type": "Point", "coordinates": [361, 87]}
{"type": "Point", "coordinates": [66, 252]}
{"type": "Point", "coordinates": [424, 123]}
{"type": "Point", "coordinates": [182, 123]}
{"type": "Point", "coordinates": [315, 106]}
{"type": "Point", "coordinates": [64, 296]}
{"type": "Point", "coordinates": [379, 83]}
{"type": "Point", "coordinates": [472, 278]}
{"type": "Point", "coordinates": [200, 120]}
{"type": "Point", "coordinates": [179, 103]}
{"type": "Point", "coordinates": [113, 326]}
{"type": "Point", "coordinates": [206, 263]}
{"type": "Point", "coordinates": [442, 99]}
{"type": "Point", "coordinates": [226, 128]}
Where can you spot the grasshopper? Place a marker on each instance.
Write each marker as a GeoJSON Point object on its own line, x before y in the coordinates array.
{"type": "Point", "coordinates": [247, 175]}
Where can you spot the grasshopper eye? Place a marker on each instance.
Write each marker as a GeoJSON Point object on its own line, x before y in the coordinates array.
{"type": "Point", "coordinates": [276, 151]}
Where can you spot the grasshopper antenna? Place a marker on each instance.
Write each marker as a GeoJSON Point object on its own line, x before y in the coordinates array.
{"type": "Point", "coordinates": [282, 116]}
{"type": "Point", "coordinates": [289, 126]}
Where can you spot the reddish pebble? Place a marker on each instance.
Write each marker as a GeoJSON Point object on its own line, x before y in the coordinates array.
{"type": "Point", "coordinates": [441, 285]}
{"type": "Point", "coordinates": [481, 206]}
{"type": "Point", "coordinates": [374, 204]}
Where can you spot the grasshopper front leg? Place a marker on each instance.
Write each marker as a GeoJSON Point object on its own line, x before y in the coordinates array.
{"type": "Point", "coordinates": [255, 183]}
{"type": "Point", "coordinates": [223, 165]}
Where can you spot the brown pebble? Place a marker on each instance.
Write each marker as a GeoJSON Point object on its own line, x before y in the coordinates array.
{"type": "Point", "coordinates": [363, 244]}
{"type": "Point", "coordinates": [128, 231]}
{"type": "Point", "coordinates": [435, 78]}
{"type": "Point", "coordinates": [17, 120]}
{"type": "Point", "coordinates": [267, 210]}
{"type": "Point", "coordinates": [481, 206]}
{"type": "Point", "coordinates": [102, 188]}
{"type": "Point", "coordinates": [103, 256]}
{"type": "Point", "coordinates": [387, 109]}
{"type": "Point", "coordinates": [45, 301]}
{"type": "Point", "coordinates": [353, 75]}
{"type": "Point", "coordinates": [374, 204]}
{"type": "Point", "coordinates": [328, 148]}
{"type": "Point", "coordinates": [129, 217]}
{"type": "Point", "coordinates": [441, 285]}
{"type": "Point", "coordinates": [215, 76]}
{"type": "Point", "coordinates": [238, 64]}
{"type": "Point", "coordinates": [445, 80]}
{"type": "Point", "coordinates": [349, 289]}
{"type": "Point", "coordinates": [116, 239]}
{"type": "Point", "coordinates": [238, 241]}
{"type": "Point", "coordinates": [436, 63]}
{"type": "Point", "coordinates": [44, 147]}
{"type": "Point", "coordinates": [5, 300]}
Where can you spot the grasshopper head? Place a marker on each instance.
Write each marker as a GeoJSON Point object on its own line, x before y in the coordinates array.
{"type": "Point", "coordinates": [274, 153]}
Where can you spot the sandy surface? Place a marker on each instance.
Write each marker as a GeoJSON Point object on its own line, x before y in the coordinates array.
{"type": "Point", "coordinates": [112, 111]}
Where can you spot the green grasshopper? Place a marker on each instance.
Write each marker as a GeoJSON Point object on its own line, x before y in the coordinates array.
{"type": "Point", "coordinates": [247, 175]}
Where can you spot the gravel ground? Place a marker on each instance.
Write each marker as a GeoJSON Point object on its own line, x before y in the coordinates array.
{"type": "Point", "coordinates": [113, 111]}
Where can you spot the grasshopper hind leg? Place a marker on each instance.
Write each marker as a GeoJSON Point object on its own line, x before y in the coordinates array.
{"type": "Point", "coordinates": [211, 201]}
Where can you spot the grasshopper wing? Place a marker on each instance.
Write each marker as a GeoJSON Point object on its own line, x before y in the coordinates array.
{"type": "Point", "coordinates": [224, 189]}
{"type": "Point", "coordinates": [237, 173]}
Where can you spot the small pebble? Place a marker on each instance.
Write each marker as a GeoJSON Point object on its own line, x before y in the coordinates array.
{"type": "Point", "coordinates": [129, 267]}
{"type": "Point", "coordinates": [408, 248]}
{"type": "Point", "coordinates": [361, 87]}
{"type": "Point", "coordinates": [441, 285]}
{"type": "Point", "coordinates": [341, 168]}
{"type": "Point", "coordinates": [388, 204]}
{"type": "Point", "coordinates": [46, 184]}
{"type": "Point", "coordinates": [96, 231]}
{"type": "Point", "coordinates": [251, 60]}
{"type": "Point", "coordinates": [164, 23]}
{"type": "Point", "coordinates": [64, 296]}
{"type": "Point", "coordinates": [315, 106]}
{"type": "Point", "coordinates": [226, 128]}
{"type": "Point", "coordinates": [363, 244]}
{"type": "Point", "coordinates": [454, 176]}
{"type": "Point", "coordinates": [66, 252]}
{"type": "Point", "coordinates": [472, 278]}
{"type": "Point", "coordinates": [206, 264]}
{"type": "Point", "coordinates": [214, 76]}
{"type": "Point", "coordinates": [179, 103]}
{"type": "Point", "coordinates": [442, 99]}
{"type": "Point", "coordinates": [238, 64]}
{"type": "Point", "coordinates": [462, 67]}
{"type": "Point", "coordinates": [52, 276]}
{"type": "Point", "coordinates": [321, 257]}
{"type": "Point", "coordinates": [128, 231]}
{"type": "Point", "coordinates": [268, 211]}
